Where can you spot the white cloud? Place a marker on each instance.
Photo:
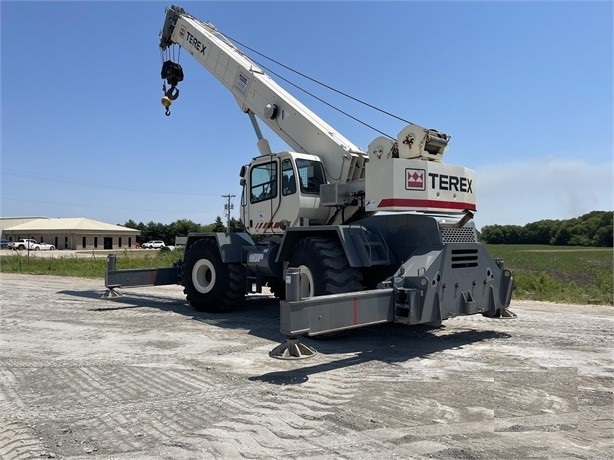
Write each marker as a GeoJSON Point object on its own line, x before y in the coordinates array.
{"type": "Point", "coordinates": [542, 188]}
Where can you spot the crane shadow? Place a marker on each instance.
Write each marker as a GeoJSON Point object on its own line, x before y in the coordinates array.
{"type": "Point", "coordinates": [259, 315]}
{"type": "Point", "coordinates": [389, 343]}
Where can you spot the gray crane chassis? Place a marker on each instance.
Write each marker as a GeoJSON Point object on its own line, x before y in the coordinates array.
{"type": "Point", "coordinates": [404, 268]}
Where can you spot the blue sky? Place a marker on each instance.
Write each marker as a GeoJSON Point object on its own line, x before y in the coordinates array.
{"type": "Point", "coordinates": [524, 88]}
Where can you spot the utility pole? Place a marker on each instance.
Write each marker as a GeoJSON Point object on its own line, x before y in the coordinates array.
{"type": "Point", "coordinates": [228, 207]}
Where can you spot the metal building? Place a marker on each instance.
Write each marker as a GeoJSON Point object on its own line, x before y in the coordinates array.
{"type": "Point", "coordinates": [71, 233]}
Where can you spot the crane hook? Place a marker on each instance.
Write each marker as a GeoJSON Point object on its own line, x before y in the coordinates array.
{"type": "Point", "coordinates": [166, 102]}
{"type": "Point", "coordinates": [173, 74]}
{"type": "Point", "coordinates": [172, 96]}
{"type": "Point", "coordinates": [169, 97]}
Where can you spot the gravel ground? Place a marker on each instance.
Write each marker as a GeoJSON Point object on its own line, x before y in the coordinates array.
{"type": "Point", "coordinates": [145, 376]}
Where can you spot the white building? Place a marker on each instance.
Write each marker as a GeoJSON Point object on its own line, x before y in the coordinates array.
{"type": "Point", "coordinates": [69, 233]}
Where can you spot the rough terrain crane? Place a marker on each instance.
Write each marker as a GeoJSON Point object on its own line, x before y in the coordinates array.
{"type": "Point", "coordinates": [354, 237]}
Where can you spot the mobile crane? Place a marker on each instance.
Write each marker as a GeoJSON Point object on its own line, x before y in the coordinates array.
{"type": "Point", "coordinates": [355, 237]}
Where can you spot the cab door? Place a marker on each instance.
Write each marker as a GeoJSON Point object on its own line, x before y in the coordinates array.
{"type": "Point", "coordinates": [261, 195]}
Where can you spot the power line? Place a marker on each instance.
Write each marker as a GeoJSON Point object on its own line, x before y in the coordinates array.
{"type": "Point", "coordinates": [105, 185]}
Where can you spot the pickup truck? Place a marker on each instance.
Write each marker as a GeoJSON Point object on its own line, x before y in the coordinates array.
{"type": "Point", "coordinates": [25, 243]}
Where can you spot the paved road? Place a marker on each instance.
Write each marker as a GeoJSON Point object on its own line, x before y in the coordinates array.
{"type": "Point", "coordinates": [145, 376]}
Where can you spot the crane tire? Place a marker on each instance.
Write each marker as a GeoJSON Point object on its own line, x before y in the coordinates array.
{"type": "Point", "coordinates": [324, 267]}
{"type": "Point", "coordinates": [211, 285]}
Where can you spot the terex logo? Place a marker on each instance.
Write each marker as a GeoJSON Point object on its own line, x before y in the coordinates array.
{"type": "Point", "coordinates": [445, 182]}
{"type": "Point", "coordinates": [415, 179]}
{"type": "Point", "coordinates": [195, 42]}
{"type": "Point", "coordinates": [182, 31]}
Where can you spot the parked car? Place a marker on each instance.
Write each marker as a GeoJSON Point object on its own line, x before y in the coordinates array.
{"type": "Point", "coordinates": [154, 244]}
{"type": "Point", "coordinates": [25, 243]}
{"type": "Point", "coordinates": [4, 244]}
{"type": "Point", "coordinates": [46, 247]}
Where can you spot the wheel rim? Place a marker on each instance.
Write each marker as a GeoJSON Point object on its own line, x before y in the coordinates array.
{"type": "Point", "coordinates": [203, 276]}
{"type": "Point", "coordinates": [306, 284]}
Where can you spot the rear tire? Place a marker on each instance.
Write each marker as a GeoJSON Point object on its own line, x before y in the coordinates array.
{"type": "Point", "coordinates": [324, 268]}
{"type": "Point", "coordinates": [209, 284]}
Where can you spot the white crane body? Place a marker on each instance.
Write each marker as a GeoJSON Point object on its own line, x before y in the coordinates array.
{"type": "Point", "coordinates": [405, 176]}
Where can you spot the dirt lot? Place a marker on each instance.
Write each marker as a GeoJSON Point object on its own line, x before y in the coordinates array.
{"type": "Point", "coordinates": [145, 376]}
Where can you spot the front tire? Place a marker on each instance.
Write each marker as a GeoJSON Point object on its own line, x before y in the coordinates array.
{"type": "Point", "coordinates": [209, 284]}
{"type": "Point", "coordinates": [324, 268]}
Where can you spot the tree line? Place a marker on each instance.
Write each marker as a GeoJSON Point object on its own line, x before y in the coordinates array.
{"type": "Point", "coordinates": [593, 229]}
{"type": "Point", "coordinates": [168, 232]}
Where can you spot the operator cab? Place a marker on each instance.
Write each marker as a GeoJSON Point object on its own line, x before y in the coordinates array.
{"type": "Point", "coordinates": [282, 190]}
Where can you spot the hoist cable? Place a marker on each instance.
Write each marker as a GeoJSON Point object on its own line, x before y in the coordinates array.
{"type": "Point", "coordinates": [323, 101]}
{"type": "Point", "coordinates": [322, 84]}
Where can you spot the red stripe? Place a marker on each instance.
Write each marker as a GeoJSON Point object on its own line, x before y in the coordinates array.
{"type": "Point", "coordinates": [408, 203]}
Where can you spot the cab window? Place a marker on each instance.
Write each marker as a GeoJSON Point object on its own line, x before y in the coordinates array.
{"type": "Point", "coordinates": [311, 176]}
{"type": "Point", "coordinates": [263, 181]}
{"type": "Point", "coordinates": [288, 179]}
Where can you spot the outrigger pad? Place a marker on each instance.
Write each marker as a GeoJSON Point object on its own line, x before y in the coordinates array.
{"type": "Point", "coordinates": [110, 294]}
{"type": "Point", "coordinates": [505, 314]}
{"type": "Point", "coordinates": [292, 349]}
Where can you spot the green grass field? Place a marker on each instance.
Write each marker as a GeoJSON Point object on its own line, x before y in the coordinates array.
{"type": "Point", "coordinates": [548, 273]}
{"type": "Point", "coordinates": [86, 267]}
{"type": "Point", "coordinates": [559, 273]}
